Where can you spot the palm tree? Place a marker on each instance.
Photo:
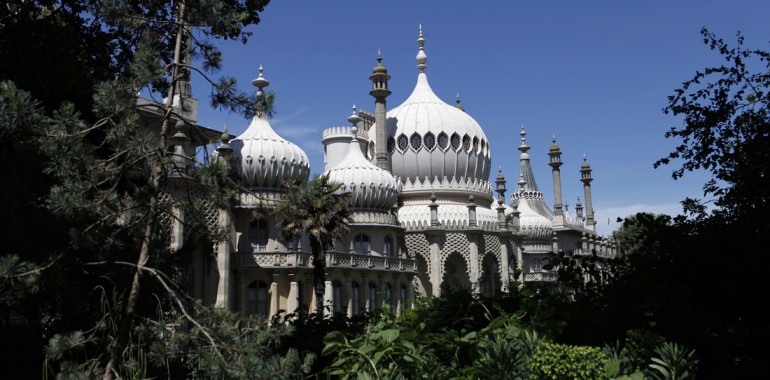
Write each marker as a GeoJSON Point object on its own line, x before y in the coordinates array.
{"type": "Point", "coordinates": [317, 208]}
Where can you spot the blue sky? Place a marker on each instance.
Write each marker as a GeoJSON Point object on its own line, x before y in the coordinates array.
{"type": "Point", "coordinates": [595, 73]}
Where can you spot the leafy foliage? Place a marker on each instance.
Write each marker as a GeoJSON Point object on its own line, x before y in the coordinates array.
{"type": "Point", "coordinates": [726, 130]}
{"type": "Point", "coordinates": [561, 362]}
{"type": "Point", "coordinates": [317, 209]}
{"type": "Point", "coordinates": [673, 363]}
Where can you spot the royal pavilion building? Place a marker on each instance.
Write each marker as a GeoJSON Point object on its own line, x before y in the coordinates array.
{"type": "Point", "coordinates": [425, 215]}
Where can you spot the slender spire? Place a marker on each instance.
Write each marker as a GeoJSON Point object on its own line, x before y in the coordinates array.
{"type": "Point", "coordinates": [523, 147]}
{"type": "Point", "coordinates": [421, 56]}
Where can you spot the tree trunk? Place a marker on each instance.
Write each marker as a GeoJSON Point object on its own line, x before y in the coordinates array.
{"type": "Point", "coordinates": [319, 275]}
{"type": "Point", "coordinates": [156, 170]}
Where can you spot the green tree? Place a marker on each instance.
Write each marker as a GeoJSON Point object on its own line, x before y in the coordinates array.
{"type": "Point", "coordinates": [318, 209]}
{"type": "Point", "coordinates": [726, 129]}
{"type": "Point", "coordinates": [108, 173]}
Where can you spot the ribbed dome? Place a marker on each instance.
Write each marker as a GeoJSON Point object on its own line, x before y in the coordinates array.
{"type": "Point", "coordinates": [265, 159]}
{"type": "Point", "coordinates": [430, 138]}
{"type": "Point", "coordinates": [370, 187]}
{"type": "Point", "coordinates": [534, 225]}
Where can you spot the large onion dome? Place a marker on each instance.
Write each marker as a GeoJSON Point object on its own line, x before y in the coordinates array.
{"type": "Point", "coordinates": [370, 187]}
{"type": "Point", "coordinates": [430, 138]}
{"type": "Point", "coordinates": [262, 157]}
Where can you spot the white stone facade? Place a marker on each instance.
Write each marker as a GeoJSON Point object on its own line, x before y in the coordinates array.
{"type": "Point", "coordinates": [425, 215]}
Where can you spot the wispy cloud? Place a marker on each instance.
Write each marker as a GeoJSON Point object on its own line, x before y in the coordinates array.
{"type": "Point", "coordinates": [279, 120]}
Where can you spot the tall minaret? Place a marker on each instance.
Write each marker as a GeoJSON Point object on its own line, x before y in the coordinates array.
{"type": "Point", "coordinates": [555, 162]}
{"type": "Point", "coordinates": [380, 91]}
{"type": "Point", "coordinates": [585, 177]}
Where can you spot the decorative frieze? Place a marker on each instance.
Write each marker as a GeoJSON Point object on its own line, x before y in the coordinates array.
{"type": "Point", "coordinates": [333, 259]}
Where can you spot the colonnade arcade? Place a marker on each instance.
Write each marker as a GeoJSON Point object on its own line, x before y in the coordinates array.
{"type": "Point", "coordinates": [267, 292]}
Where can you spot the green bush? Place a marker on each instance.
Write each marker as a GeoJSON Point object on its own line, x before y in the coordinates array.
{"type": "Point", "coordinates": [562, 362]}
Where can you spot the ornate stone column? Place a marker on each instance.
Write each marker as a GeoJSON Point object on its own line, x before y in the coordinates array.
{"type": "Point", "coordinates": [327, 295]}
{"type": "Point", "coordinates": [224, 250]}
{"type": "Point", "coordinates": [292, 303]}
{"type": "Point", "coordinates": [274, 296]}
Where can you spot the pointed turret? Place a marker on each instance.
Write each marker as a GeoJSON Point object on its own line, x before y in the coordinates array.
{"type": "Point", "coordinates": [380, 91]}
{"type": "Point", "coordinates": [585, 177]}
{"type": "Point", "coordinates": [555, 163]}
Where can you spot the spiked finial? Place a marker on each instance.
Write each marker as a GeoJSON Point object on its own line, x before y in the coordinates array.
{"type": "Point", "coordinates": [354, 119]}
{"type": "Point", "coordinates": [523, 147]}
{"type": "Point", "coordinates": [379, 55]}
{"type": "Point", "coordinates": [260, 82]}
{"type": "Point", "coordinates": [421, 56]}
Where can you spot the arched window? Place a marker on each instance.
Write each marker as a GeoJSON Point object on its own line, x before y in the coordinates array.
{"type": "Point", "coordinates": [256, 298]}
{"type": "Point", "coordinates": [301, 295]}
{"type": "Point", "coordinates": [455, 141]}
{"type": "Point", "coordinates": [403, 142]}
{"type": "Point", "coordinates": [337, 296]}
{"type": "Point", "coordinates": [371, 150]}
{"type": "Point", "coordinates": [391, 144]}
{"type": "Point", "coordinates": [361, 244]}
{"type": "Point", "coordinates": [388, 294]}
{"type": "Point", "coordinates": [258, 234]}
{"type": "Point", "coordinates": [430, 140]}
{"type": "Point", "coordinates": [372, 295]}
{"type": "Point", "coordinates": [388, 246]}
{"type": "Point", "coordinates": [416, 141]}
{"type": "Point", "coordinates": [403, 298]}
{"type": "Point", "coordinates": [466, 143]}
{"type": "Point", "coordinates": [476, 145]}
{"type": "Point", "coordinates": [356, 297]}
{"type": "Point", "coordinates": [536, 266]}
{"type": "Point", "coordinates": [443, 140]}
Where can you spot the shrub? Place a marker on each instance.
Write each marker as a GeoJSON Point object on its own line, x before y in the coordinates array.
{"type": "Point", "coordinates": [562, 362]}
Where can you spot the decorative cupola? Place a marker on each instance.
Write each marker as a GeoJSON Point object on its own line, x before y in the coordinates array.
{"type": "Point", "coordinates": [585, 177]}
{"type": "Point", "coordinates": [500, 189]}
{"type": "Point", "coordinates": [579, 209]}
{"type": "Point", "coordinates": [263, 158]}
{"type": "Point", "coordinates": [380, 92]}
{"type": "Point", "coordinates": [425, 137]}
{"type": "Point", "coordinates": [555, 163]}
{"type": "Point", "coordinates": [370, 187]}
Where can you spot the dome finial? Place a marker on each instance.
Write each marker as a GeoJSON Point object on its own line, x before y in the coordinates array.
{"type": "Point", "coordinates": [421, 56]}
{"type": "Point", "coordinates": [379, 55]}
{"type": "Point", "coordinates": [354, 119]}
{"type": "Point", "coordinates": [260, 82]}
{"type": "Point", "coordinates": [523, 147]}
{"type": "Point", "coordinates": [585, 159]}
{"type": "Point", "coordinates": [458, 106]}
{"type": "Point", "coordinates": [553, 138]}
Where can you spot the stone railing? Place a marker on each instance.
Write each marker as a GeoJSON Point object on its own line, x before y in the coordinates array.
{"type": "Point", "coordinates": [333, 260]}
{"type": "Point", "coordinates": [345, 132]}
{"type": "Point", "coordinates": [540, 276]}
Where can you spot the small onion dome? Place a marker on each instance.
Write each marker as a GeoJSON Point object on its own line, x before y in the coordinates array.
{"type": "Point", "coordinates": [585, 163]}
{"type": "Point", "coordinates": [379, 69]}
{"type": "Point", "coordinates": [262, 157]}
{"type": "Point", "coordinates": [534, 225]}
{"type": "Point", "coordinates": [554, 147]}
{"type": "Point", "coordinates": [370, 187]}
{"type": "Point", "coordinates": [265, 159]}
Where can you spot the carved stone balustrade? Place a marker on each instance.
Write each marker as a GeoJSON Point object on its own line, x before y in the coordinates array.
{"type": "Point", "coordinates": [333, 260]}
